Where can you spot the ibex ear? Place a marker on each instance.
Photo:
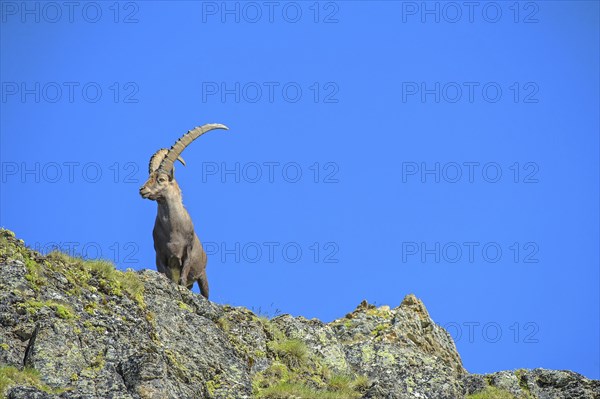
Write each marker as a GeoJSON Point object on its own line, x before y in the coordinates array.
{"type": "Point", "coordinates": [172, 174]}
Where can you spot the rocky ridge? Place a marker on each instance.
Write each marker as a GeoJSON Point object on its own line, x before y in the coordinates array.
{"type": "Point", "coordinates": [81, 329]}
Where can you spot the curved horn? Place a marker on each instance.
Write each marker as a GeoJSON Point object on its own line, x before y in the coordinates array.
{"type": "Point", "coordinates": [157, 158]}
{"type": "Point", "coordinates": [166, 165]}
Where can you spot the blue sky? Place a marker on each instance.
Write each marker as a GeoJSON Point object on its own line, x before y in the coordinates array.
{"type": "Point", "coordinates": [374, 150]}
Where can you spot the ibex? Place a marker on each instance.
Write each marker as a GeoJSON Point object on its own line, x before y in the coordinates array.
{"type": "Point", "coordinates": [179, 253]}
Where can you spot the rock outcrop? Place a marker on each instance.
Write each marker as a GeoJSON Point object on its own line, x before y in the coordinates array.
{"type": "Point", "coordinates": [81, 329]}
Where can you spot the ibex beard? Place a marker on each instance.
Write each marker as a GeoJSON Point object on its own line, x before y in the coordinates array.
{"type": "Point", "coordinates": [179, 253]}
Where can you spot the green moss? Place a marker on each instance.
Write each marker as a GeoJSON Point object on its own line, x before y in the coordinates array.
{"type": "Point", "coordinates": [491, 393]}
{"type": "Point", "coordinates": [91, 327]}
{"type": "Point", "coordinates": [383, 312]}
{"type": "Point", "coordinates": [11, 247]}
{"type": "Point", "coordinates": [90, 307]}
{"type": "Point", "coordinates": [271, 329]}
{"type": "Point", "coordinates": [386, 358]}
{"type": "Point", "coordinates": [520, 374]}
{"type": "Point", "coordinates": [378, 329]}
{"type": "Point", "coordinates": [223, 323]}
{"type": "Point", "coordinates": [4, 346]}
{"type": "Point", "coordinates": [155, 338]}
{"type": "Point", "coordinates": [277, 372]}
{"type": "Point", "coordinates": [98, 362]}
{"type": "Point", "coordinates": [96, 365]}
{"type": "Point", "coordinates": [259, 353]}
{"type": "Point", "coordinates": [11, 376]}
{"type": "Point", "coordinates": [6, 233]}
{"type": "Point", "coordinates": [213, 384]}
{"type": "Point", "coordinates": [63, 311]}
{"type": "Point", "coordinates": [151, 318]}
{"type": "Point", "coordinates": [368, 353]}
{"type": "Point", "coordinates": [34, 273]}
{"type": "Point", "coordinates": [31, 306]}
{"type": "Point", "coordinates": [184, 306]}
{"type": "Point", "coordinates": [176, 366]}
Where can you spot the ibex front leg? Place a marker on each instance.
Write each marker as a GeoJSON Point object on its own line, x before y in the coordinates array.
{"type": "Point", "coordinates": [185, 270]}
{"type": "Point", "coordinates": [174, 269]}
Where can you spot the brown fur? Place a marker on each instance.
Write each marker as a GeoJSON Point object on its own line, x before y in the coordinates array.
{"type": "Point", "coordinates": [179, 253]}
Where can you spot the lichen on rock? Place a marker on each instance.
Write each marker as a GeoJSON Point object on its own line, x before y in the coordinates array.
{"type": "Point", "coordinates": [72, 328]}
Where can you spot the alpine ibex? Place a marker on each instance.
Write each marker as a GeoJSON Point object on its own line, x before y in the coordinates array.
{"type": "Point", "coordinates": [179, 253]}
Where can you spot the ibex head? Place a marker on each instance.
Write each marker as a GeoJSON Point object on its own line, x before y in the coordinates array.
{"type": "Point", "coordinates": [161, 182]}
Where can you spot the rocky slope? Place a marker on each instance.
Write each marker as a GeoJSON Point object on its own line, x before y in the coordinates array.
{"type": "Point", "coordinates": [80, 329]}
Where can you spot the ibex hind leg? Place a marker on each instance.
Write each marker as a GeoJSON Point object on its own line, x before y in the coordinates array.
{"type": "Point", "coordinates": [203, 285]}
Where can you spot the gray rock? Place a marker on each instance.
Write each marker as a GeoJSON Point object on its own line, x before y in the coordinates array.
{"type": "Point", "coordinates": [73, 329]}
{"type": "Point", "coordinates": [27, 392]}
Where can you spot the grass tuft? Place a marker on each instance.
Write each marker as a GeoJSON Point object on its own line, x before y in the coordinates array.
{"type": "Point", "coordinates": [292, 352]}
{"type": "Point", "coordinates": [86, 274]}
{"type": "Point", "coordinates": [279, 382]}
{"type": "Point", "coordinates": [11, 376]}
{"type": "Point", "coordinates": [288, 390]}
{"type": "Point", "coordinates": [491, 393]}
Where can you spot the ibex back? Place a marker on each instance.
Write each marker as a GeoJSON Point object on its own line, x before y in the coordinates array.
{"type": "Point", "coordinates": [179, 253]}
